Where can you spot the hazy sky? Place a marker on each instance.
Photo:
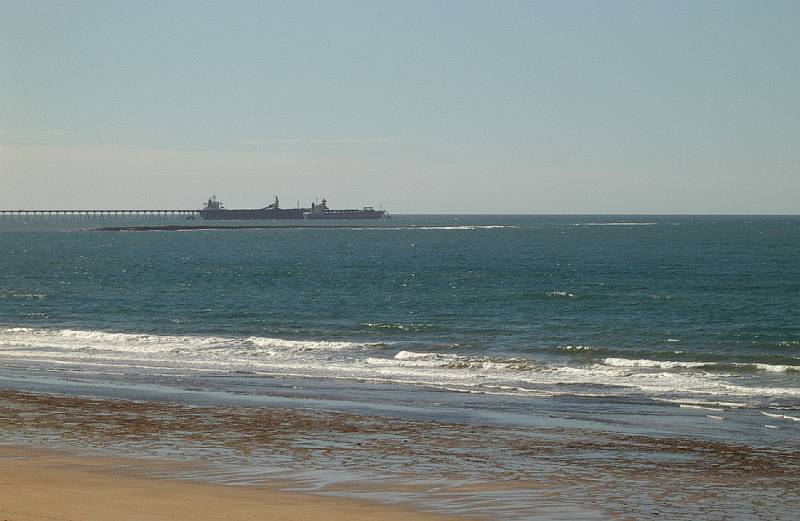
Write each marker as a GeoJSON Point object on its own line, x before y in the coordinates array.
{"type": "Point", "coordinates": [429, 106]}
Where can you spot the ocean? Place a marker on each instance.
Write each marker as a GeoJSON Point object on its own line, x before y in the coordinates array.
{"type": "Point", "coordinates": [656, 325]}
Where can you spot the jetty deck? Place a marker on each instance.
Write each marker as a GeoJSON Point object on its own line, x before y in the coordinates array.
{"type": "Point", "coordinates": [98, 215]}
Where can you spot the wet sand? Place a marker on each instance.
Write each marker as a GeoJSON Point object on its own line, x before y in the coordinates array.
{"type": "Point", "coordinates": [489, 472]}
{"type": "Point", "coordinates": [41, 484]}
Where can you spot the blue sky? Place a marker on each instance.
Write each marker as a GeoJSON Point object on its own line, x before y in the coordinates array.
{"type": "Point", "coordinates": [433, 106]}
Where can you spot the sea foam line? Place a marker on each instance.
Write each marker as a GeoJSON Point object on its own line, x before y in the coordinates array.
{"type": "Point", "coordinates": [781, 416]}
{"type": "Point", "coordinates": [689, 406]}
{"type": "Point", "coordinates": [360, 361]}
{"type": "Point", "coordinates": [71, 339]}
{"type": "Point", "coordinates": [668, 364]}
{"type": "Point", "coordinates": [621, 223]}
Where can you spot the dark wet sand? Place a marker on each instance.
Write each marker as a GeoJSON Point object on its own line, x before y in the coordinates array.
{"type": "Point", "coordinates": [526, 472]}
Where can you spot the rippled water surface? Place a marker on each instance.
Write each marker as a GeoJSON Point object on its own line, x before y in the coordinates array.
{"type": "Point", "coordinates": [651, 323]}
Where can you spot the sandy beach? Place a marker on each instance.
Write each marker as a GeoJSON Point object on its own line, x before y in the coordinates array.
{"type": "Point", "coordinates": [70, 457]}
{"type": "Point", "coordinates": [41, 484]}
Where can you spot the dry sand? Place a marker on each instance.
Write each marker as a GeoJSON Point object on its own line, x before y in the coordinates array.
{"type": "Point", "coordinates": [39, 484]}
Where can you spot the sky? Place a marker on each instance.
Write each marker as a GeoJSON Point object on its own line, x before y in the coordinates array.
{"type": "Point", "coordinates": [419, 106]}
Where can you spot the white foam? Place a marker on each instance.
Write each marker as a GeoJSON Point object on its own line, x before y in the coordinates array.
{"type": "Point", "coordinates": [411, 355]}
{"type": "Point", "coordinates": [139, 353]}
{"type": "Point", "coordinates": [776, 368]}
{"type": "Point", "coordinates": [448, 227]}
{"type": "Point", "coordinates": [580, 348]}
{"type": "Point", "coordinates": [306, 345]}
{"type": "Point", "coordinates": [625, 362]}
{"type": "Point", "coordinates": [452, 361]}
{"type": "Point", "coordinates": [667, 364]}
{"type": "Point", "coordinates": [781, 416]}
{"type": "Point", "coordinates": [689, 406]}
{"type": "Point", "coordinates": [618, 224]}
{"type": "Point", "coordinates": [79, 339]}
{"type": "Point", "coordinates": [560, 294]}
{"type": "Point", "coordinates": [729, 405]}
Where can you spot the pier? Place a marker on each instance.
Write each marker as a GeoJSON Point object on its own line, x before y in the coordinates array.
{"type": "Point", "coordinates": [97, 215]}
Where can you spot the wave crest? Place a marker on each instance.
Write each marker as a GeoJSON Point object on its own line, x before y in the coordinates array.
{"type": "Point", "coordinates": [713, 366]}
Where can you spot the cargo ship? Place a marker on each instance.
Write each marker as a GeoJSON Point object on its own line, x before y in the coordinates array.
{"type": "Point", "coordinates": [321, 211]}
{"type": "Point", "coordinates": [215, 211]}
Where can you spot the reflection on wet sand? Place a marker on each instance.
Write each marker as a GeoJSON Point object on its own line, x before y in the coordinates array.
{"type": "Point", "coordinates": [486, 471]}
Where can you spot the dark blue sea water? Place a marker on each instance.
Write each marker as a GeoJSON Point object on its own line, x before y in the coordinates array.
{"type": "Point", "coordinates": [660, 324]}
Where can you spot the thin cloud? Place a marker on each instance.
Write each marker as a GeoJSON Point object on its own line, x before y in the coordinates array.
{"type": "Point", "coordinates": [325, 141]}
{"type": "Point", "coordinates": [15, 136]}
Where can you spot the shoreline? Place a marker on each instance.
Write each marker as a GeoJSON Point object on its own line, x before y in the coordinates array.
{"type": "Point", "coordinates": [469, 471]}
{"type": "Point", "coordinates": [62, 485]}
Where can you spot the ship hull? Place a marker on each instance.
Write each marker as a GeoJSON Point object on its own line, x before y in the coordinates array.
{"type": "Point", "coordinates": [347, 214]}
{"type": "Point", "coordinates": [252, 215]}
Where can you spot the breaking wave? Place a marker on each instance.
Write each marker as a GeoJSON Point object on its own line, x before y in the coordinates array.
{"type": "Point", "coordinates": [563, 294]}
{"type": "Point", "coordinates": [621, 223]}
{"type": "Point", "coordinates": [79, 340]}
{"type": "Point", "coordinates": [710, 366]}
{"type": "Point", "coordinates": [443, 227]}
{"type": "Point", "coordinates": [466, 227]}
{"type": "Point", "coordinates": [592, 373]}
{"type": "Point", "coordinates": [399, 326]}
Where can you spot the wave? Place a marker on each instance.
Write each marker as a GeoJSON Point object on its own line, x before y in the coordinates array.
{"type": "Point", "coordinates": [523, 371]}
{"type": "Point", "coordinates": [452, 361]}
{"type": "Point", "coordinates": [775, 368]}
{"type": "Point", "coordinates": [625, 362]}
{"type": "Point", "coordinates": [781, 416]}
{"type": "Point", "coordinates": [323, 345]}
{"type": "Point", "coordinates": [443, 227]}
{"type": "Point", "coordinates": [583, 349]}
{"type": "Point", "coordinates": [704, 403]}
{"type": "Point", "coordinates": [620, 223]}
{"type": "Point", "coordinates": [399, 326]}
{"type": "Point", "coordinates": [466, 227]}
{"type": "Point", "coordinates": [702, 407]}
{"type": "Point", "coordinates": [144, 353]}
{"type": "Point", "coordinates": [22, 296]}
{"type": "Point", "coordinates": [150, 343]}
{"type": "Point", "coordinates": [563, 294]}
{"type": "Point", "coordinates": [664, 354]}
{"type": "Point", "coordinates": [711, 366]}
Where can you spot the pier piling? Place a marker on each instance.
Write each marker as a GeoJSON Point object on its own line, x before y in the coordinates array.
{"type": "Point", "coordinates": [38, 216]}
